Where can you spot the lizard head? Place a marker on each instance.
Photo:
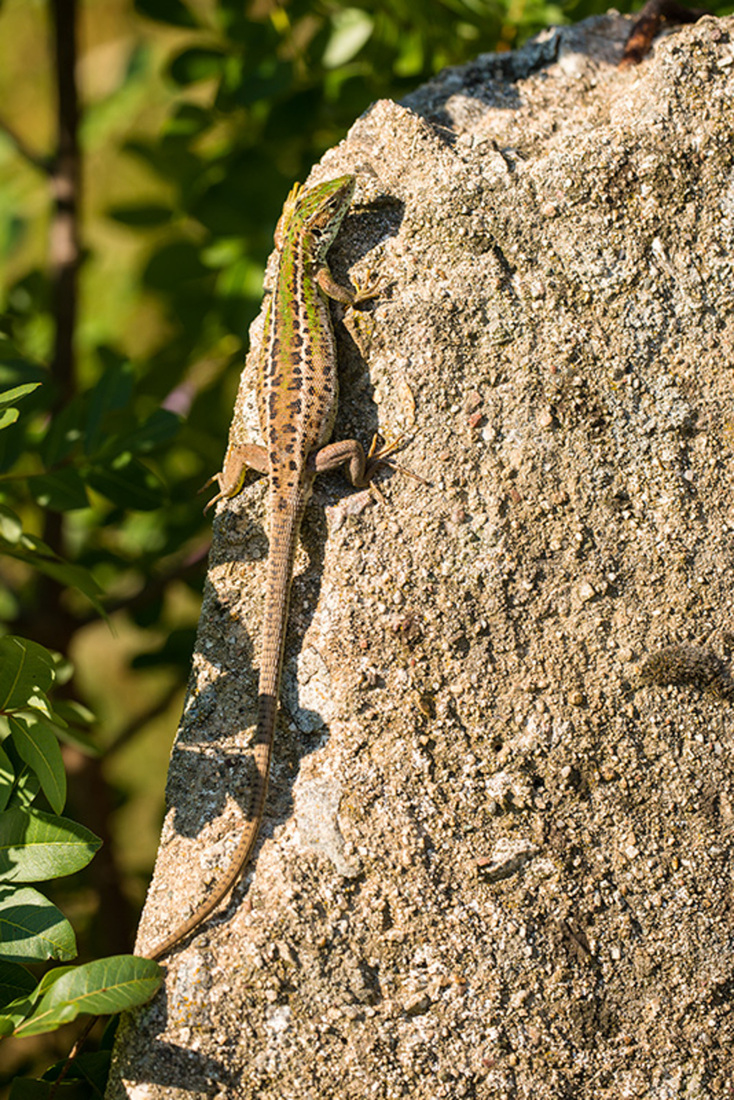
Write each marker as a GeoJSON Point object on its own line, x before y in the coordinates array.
{"type": "Point", "coordinates": [319, 212]}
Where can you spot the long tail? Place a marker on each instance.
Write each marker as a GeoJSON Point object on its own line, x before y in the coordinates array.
{"type": "Point", "coordinates": [284, 527]}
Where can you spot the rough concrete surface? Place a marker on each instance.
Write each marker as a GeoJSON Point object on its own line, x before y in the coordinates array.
{"type": "Point", "coordinates": [497, 855]}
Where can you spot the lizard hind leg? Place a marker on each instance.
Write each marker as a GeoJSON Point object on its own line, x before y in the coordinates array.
{"type": "Point", "coordinates": [381, 456]}
{"type": "Point", "coordinates": [240, 458]}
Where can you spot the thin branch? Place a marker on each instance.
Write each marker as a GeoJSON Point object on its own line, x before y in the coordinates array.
{"type": "Point", "coordinates": [66, 185]}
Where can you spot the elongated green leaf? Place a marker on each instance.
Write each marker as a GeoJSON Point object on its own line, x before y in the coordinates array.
{"type": "Point", "coordinates": [15, 982]}
{"type": "Point", "coordinates": [61, 491]}
{"type": "Point", "coordinates": [7, 778]}
{"type": "Point", "coordinates": [22, 1007]}
{"type": "Point", "coordinates": [8, 417]}
{"type": "Point", "coordinates": [69, 715]}
{"type": "Point", "coordinates": [38, 746]}
{"type": "Point", "coordinates": [32, 928]}
{"type": "Point", "coordinates": [128, 483]}
{"type": "Point", "coordinates": [17, 393]}
{"type": "Point", "coordinates": [161, 427]}
{"type": "Point", "coordinates": [26, 668]}
{"type": "Point", "coordinates": [112, 392]}
{"type": "Point", "coordinates": [64, 433]}
{"type": "Point", "coordinates": [99, 988]}
{"type": "Point", "coordinates": [40, 557]}
{"type": "Point", "coordinates": [35, 846]}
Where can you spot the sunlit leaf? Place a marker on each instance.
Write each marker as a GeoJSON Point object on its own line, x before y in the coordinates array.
{"type": "Point", "coordinates": [352, 28]}
{"type": "Point", "coordinates": [35, 846]}
{"type": "Point", "coordinates": [11, 528]}
{"type": "Point", "coordinates": [17, 393]}
{"type": "Point", "coordinates": [38, 746]}
{"type": "Point", "coordinates": [26, 668]}
{"type": "Point", "coordinates": [32, 928]}
{"type": "Point", "coordinates": [99, 988]}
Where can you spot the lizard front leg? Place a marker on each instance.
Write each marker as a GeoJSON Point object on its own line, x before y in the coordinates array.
{"type": "Point", "coordinates": [239, 458]}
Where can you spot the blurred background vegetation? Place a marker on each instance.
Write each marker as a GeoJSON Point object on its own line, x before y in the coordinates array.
{"type": "Point", "coordinates": [145, 151]}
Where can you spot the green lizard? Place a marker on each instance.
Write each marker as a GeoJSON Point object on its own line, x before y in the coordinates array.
{"type": "Point", "coordinates": [297, 403]}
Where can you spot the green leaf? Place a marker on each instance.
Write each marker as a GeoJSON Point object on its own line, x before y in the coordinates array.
{"type": "Point", "coordinates": [70, 715]}
{"type": "Point", "coordinates": [27, 786]}
{"type": "Point", "coordinates": [8, 413]}
{"type": "Point", "coordinates": [64, 433]}
{"type": "Point", "coordinates": [32, 928]}
{"type": "Point", "coordinates": [197, 63]}
{"type": "Point", "coordinates": [7, 1026]}
{"type": "Point", "coordinates": [173, 12]}
{"type": "Point", "coordinates": [99, 988]}
{"type": "Point", "coordinates": [17, 393]}
{"type": "Point", "coordinates": [38, 746]}
{"type": "Point", "coordinates": [60, 490]}
{"type": "Point", "coordinates": [35, 846]}
{"type": "Point", "coordinates": [26, 669]}
{"type": "Point", "coordinates": [88, 1074]}
{"type": "Point", "coordinates": [17, 1011]}
{"type": "Point", "coordinates": [113, 391]}
{"type": "Point", "coordinates": [7, 778]}
{"type": "Point", "coordinates": [11, 527]}
{"type": "Point", "coordinates": [37, 554]}
{"type": "Point", "coordinates": [85, 1080]}
{"type": "Point", "coordinates": [30, 1088]}
{"type": "Point", "coordinates": [128, 483]}
{"type": "Point", "coordinates": [187, 120]}
{"type": "Point", "coordinates": [352, 28]}
{"type": "Point", "coordinates": [160, 428]}
{"type": "Point", "coordinates": [141, 215]}
{"type": "Point", "coordinates": [15, 982]}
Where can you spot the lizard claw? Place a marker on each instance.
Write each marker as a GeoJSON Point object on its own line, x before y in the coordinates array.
{"type": "Point", "coordinates": [381, 457]}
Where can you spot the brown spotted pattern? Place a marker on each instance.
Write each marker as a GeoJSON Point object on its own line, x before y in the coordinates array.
{"type": "Point", "coordinates": [297, 397]}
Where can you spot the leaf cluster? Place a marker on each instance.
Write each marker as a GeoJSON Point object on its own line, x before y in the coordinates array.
{"type": "Point", "coordinates": [36, 846]}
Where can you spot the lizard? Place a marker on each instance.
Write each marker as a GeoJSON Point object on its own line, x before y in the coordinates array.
{"type": "Point", "coordinates": [297, 392]}
{"type": "Point", "coordinates": [297, 389]}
